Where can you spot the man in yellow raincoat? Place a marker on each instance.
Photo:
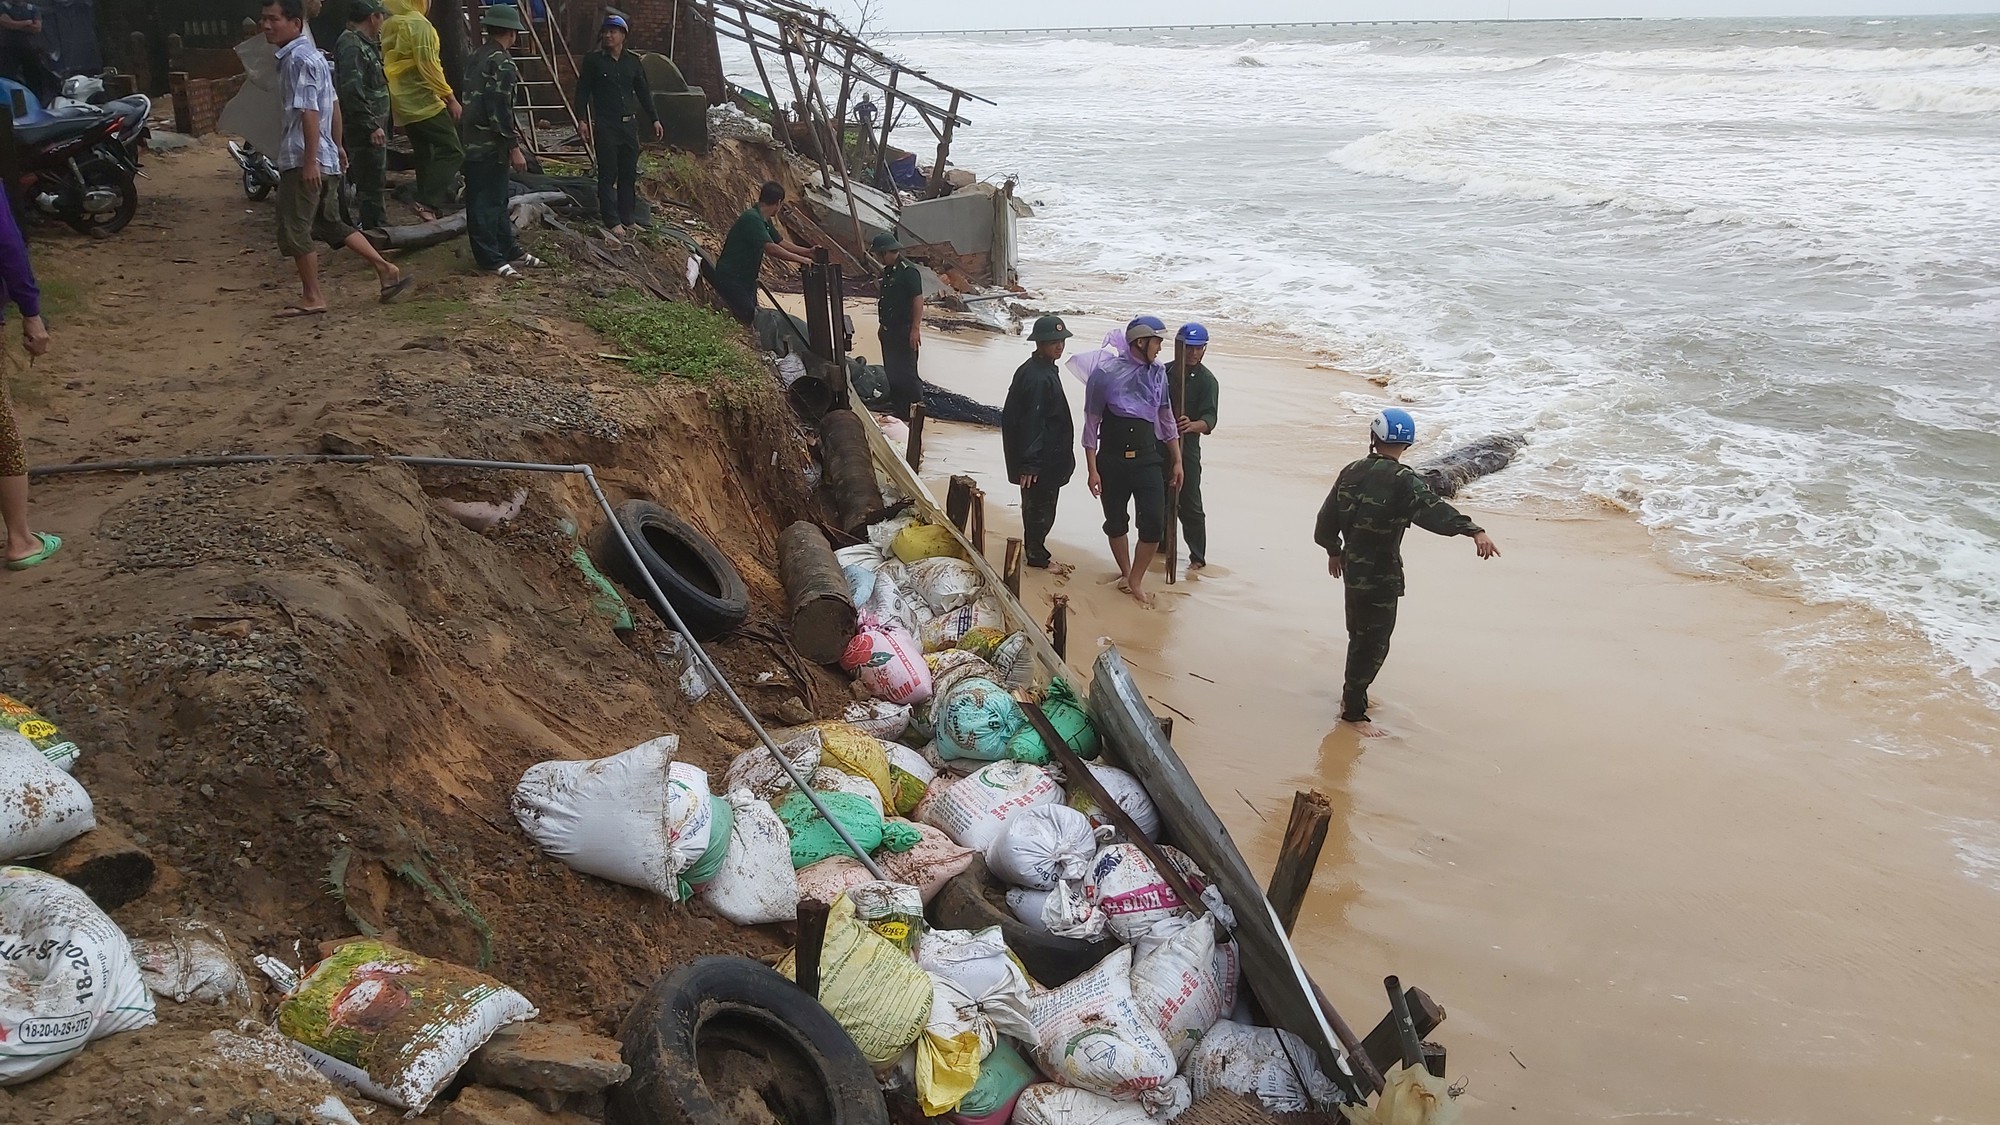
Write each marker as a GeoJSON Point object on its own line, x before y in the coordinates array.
{"type": "Point", "coordinates": [421, 99]}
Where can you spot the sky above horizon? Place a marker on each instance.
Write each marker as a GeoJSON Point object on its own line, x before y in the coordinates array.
{"type": "Point", "coordinates": [927, 15]}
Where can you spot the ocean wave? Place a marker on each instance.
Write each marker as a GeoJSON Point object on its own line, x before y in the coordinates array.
{"type": "Point", "coordinates": [1788, 58]}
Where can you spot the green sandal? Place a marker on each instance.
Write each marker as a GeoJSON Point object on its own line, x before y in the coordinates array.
{"type": "Point", "coordinates": [50, 545]}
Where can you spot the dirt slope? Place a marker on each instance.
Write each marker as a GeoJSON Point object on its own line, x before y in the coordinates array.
{"type": "Point", "coordinates": [307, 689]}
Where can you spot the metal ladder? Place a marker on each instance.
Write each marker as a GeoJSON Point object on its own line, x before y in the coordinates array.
{"type": "Point", "coordinates": [541, 103]}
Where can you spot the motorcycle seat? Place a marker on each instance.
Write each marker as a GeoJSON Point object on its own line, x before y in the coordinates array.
{"type": "Point", "coordinates": [51, 129]}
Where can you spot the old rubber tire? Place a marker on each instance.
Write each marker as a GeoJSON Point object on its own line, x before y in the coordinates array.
{"type": "Point", "coordinates": [727, 1039]}
{"type": "Point", "coordinates": [963, 904]}
{"type": "Point", "coordinates": [694, 574]}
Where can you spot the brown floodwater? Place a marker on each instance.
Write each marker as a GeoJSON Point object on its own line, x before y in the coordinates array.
{"type": "Point", "coordinates": [1666, 848]}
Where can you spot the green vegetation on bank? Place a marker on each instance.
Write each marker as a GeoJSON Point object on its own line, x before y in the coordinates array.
{"type": "Point", "coordinates": [670, 338]}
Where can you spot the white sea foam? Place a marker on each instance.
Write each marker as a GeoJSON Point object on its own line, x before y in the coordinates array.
{"type": "Point", "coordinates": [1735, 277]}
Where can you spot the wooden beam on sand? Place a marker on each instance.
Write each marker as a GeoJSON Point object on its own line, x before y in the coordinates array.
{"type": "Point", "coordinates": [958, 500]}
{"type": "Point", "coordinates": [914, 452]}
{"type": "Point", "coordinates": [1305, 835]}
{"type": "Point", "coordinates": [1058, 626]}
{"type": "Point", "coordinates": [1010, 566]}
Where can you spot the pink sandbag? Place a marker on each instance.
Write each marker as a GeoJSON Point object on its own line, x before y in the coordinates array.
{"type": "Point", "coordinates": [930, 864]}
{"type": "Point", "coordinates": [825, 880]}
{"type": "Point", "coordinates": [888, 663]}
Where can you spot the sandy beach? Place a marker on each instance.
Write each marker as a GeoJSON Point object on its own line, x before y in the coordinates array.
{"type": "Point", "coordinates": [1663, 850]}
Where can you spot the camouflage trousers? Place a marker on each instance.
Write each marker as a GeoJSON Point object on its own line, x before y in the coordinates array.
{"type": "Point", "coordinates": [1371, 618]}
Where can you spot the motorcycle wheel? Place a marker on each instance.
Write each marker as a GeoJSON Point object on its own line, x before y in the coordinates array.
{"type": "Point", "coordinates": [103, 224]}
{"type": "Point", "coordinates": [257, 190]}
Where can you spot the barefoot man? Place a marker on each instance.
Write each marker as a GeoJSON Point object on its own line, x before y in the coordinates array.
{"type": "Point", "coordinates": [1361, 525]}
{"type": "Point", "coordinates": [1128, 429]}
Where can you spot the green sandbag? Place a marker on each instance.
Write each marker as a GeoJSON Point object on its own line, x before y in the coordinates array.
{"type": "Point", "coordinates": [1072, 722]}
{"type": "Point", "coordinates": [710, 862]}
{"type": "Point", "coordinates": [1002, 1076]}
{"type": "Point", "coordinates": [813, 839]}
{"type": "Point", "coordinates": [606, 601]}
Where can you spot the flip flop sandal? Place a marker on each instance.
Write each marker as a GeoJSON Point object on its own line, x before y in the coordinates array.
{"type": "Point", "coordinates": [290, 312]}
{"type": "Point", "coordinates": [529, 261]}
{"type": "Point", "coordinates": [397, 287]}
{"type": "Point", "coordinates": [507, 270]}
{"type": "Point", "coordinates": [50, 545]}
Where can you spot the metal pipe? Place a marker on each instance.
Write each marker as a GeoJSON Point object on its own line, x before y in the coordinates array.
{"type": "Point", "coordinates": [708, 665]}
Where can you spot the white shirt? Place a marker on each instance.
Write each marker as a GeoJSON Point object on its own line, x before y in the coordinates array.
{"type": "Point", "coordinates": [305, 82]}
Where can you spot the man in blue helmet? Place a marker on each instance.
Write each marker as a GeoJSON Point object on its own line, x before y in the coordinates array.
{"type": "Point", "coordinates": [1197, 418]}
{"type": "Point", "coordinates": [1361, 525]}
{"type": "Point", "coordinates": [612, 98]}
{"type": "Point", "coordinates": [1132, 448]}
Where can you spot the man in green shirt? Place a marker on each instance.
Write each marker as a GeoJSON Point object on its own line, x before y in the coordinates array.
{"type": "Point", "coordinates": [612, 97]}
{"type": "Point", "coordinates": [1038, 437]}
{"type": "Point", "coordinates": [900, 314]}
{"type": "Point", "coordinates": [1361, 526]}
{"type": "Point", "coordinates": [492, 139]}
{"type": "Point", "coordinates": [751, 239]}
{"type": "Point", "coordinates": [364, 108]}
{"type": "Point", "coordinates": [1197, 418]}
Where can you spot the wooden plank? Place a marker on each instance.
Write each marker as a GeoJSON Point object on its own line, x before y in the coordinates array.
{"type": "Point", "coordinates": [1305, 834]}
{"type": "Point", "coordinates": [1177, 393]}
{"type": "Point", "coordinates": [977, 532]}
{"type": "Point", "coordinates": [1010, 566]}
{"type": "Point", "coordinates": [943, 151]}
{"type": "Point", "coordinates": [1058, 630]}
{"type": "Point", "coordinates": [958, 500]}
{"type": "Point", "coordinates": [914, 452]}
{"type": "Point", "coordinates": [1383, 1045]}
{"type": "Point", "coordinates": [1269, 963]}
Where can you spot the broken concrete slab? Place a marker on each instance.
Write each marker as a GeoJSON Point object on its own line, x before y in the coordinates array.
{"type": "Point", "coordinates": [555, 1057]}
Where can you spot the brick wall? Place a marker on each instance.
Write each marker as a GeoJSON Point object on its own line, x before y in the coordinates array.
{"type": "Point", "coordinates": [199, 101]}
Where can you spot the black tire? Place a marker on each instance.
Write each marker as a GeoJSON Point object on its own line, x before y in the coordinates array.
{"type": "Point", "coordinates": [104, 173]}
{"type": "Point", "coordinates": [965, 903]}
{"type": "Point", "coordinates": [694, 574]}
{"type": "Point", "coordinates": [256, 190]}
{"type": "Point", "coordinates": [714, 1035]}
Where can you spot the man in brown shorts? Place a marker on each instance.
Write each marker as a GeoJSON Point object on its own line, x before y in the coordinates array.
{"type": "Point", "coordinates": [310, 162]}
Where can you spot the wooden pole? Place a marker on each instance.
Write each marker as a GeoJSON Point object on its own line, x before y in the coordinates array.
{"type": "Point", "coordinates": [1059, 626]}
{"type": "Point", "coordinates": [914, 453]}
{"type": "Point", "coordinates": [978, 519]}
{"type": "Point", "coordinates": [1010, 566]}
{"type": "Point", "coordinates": [812, 943]}
{"type": "Point", "coordinates": [943, 151]}
{"type": "Point", "coordinates": [1305, 834]}
{"type": "Point", "coordinates": [764, 76]}
{"type": "Point", "coordinates": [1166, 727]}
{"type": "Point", "coordinates": [888, 183]}
{"type": "Point", "coordinates": [958, 500]}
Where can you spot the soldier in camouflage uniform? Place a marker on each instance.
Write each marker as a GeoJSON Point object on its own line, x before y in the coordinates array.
{"type": "Point", "coordinates": [364, 109]}
{"type": "Point", "coordinates": [493, 144]}
{"type": "Point", "coordinates": [1361, 525]}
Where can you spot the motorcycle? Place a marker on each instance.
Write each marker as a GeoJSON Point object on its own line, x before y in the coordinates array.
{"type": "Point", "coordinates": [260, 175]}
{"type": "Point", "coordinates": [79, 163]}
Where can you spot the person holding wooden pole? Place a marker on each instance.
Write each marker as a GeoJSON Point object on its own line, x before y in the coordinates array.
{"type": "Point", "coordinates": [1197, 400]}
{"type": "Point", "coordinates": [1129, 430]}
{"type": "Point", "coordinates": [1035, 435]}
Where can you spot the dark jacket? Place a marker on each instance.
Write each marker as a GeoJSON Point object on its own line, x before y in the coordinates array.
{"type": "Point", "coordinates": [488, 126]}
{"type": "Point", "coordinates": [362, 85]}
{"type": "Point", "coordinates": [1036, 431]}
{"type": "Point", "coordinates": [612, 93]}
{"type": "Point", "coordinates": [1372, 503]}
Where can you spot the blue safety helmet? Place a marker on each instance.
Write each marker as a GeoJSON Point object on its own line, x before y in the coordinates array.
{"type": "Point", "coordinates": [1394, 426]}
{"type": "Point", "coordinates": [1193, 335]}
{"type": "Point", "coordinates": [1144, 326]}
{"type": "Point", "coordinates": [615, 21]}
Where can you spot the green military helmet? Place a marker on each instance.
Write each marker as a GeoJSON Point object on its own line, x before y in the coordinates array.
{"type": "Point", "coordinates": [1049, 328]}
{"type": "Point", "coordinates": [358, 10]}
{"type": "Point", "coordinates": [883, 243]}
{"type": "Point", "coordinates": [506, 17]}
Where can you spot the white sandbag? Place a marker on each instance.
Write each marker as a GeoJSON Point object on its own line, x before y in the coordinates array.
{"type": "Point", "coordinates": [1136, 898]}
{"type": "Point", "coordinates": [1064, 910]}
{"type": "Point", "coordinates": [865, 555]}
{"type": "Point", "coordinates": [976, 961]}
{"type": "Point", "coordinates": [755, 884]}
{"type": "Point", "coordinates": [945, 583]}
{"type": "Point", "coordinates": [881, 535]}
{"type": "Point", "coordinates": [895, 911]}
{"type": "Point", "coordinates": [1038, 846]}
{"type": "Point", "coordinates": [757, 771]}
{"type": "Point", "coordinates": [877, 718]}
{"type": "Point", "coordinates": [888, 662]}
{"type": "Point", "coordinates": [890, 602]}
{"type": "Point", "coordinates": [1090, 1034]}
{"type": "Point", "coordinates": [41, 807]}
{"type": "Point", "coordinates": [637, 818]}
{"type": "Point", "coordinates": [1046, 1103]}
{"type": "Point", "coordinates": [1263, 1063]}
{"type": "Point", "coordinates": [826, 779]}
{"type": "Point", "coordinates": [928, 866]}
{"type": "Point", "coordinates": [827, 880]}
{"type": "Point", "coordinates": [949, 627]}
{"type": "Point", "coordinates": [973, 809]}
{"type": "Point", "coordinates": [1126, 793]}
{"type": "Point", "coordinates": [1177, 987]}
{"type": "Point", "coordinates": [1014, 663]}
{"type": "Point", "coordinates": [67, 975]}
{"type": "Point", "coordinates": [192, 962]}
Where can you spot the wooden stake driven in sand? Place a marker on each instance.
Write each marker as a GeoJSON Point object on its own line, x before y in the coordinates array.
{"type": "Point", "coordinates": [1305, 834]}
{"type": "Point", "coordinates": [1010, 567]}
{"type": "Point", "coordinates": [1170, 546]}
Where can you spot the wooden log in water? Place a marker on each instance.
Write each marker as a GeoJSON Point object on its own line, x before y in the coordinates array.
{"type": "Point", "coordinates": [1305, 834]}
{"type": "Point", "coordinates": [1457, 468]}
{"type": "Point", "coordinates": [850, 470]}
{"type": "Point", "coordinates": [819, 609]}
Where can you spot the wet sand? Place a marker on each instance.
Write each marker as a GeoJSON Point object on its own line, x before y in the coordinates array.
{"type": "Point", "coordinates": [1658, 861]}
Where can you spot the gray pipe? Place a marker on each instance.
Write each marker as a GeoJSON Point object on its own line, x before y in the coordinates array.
{"type": "Point", "coordinates": [708, 664]}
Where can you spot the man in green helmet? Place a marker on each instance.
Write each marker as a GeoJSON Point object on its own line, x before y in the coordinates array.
{"type": "Point", "coordinates": [364, 108]}
{"type": "Point", "coordinates": [492, 138]}
{"type": "Point", "coordinates": [1038, 437]}
{"type": "Point", "coordinates": [899, 319]}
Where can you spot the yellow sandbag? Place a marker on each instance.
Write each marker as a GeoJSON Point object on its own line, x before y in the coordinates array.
{"type": "Point", "coordinates": [1411, 1097]}
{"type": "Point", "coordinates": [873, 990]}
{"type": "Point", "coordinates": [947, 1070]}
{"type": "Point", "coordinates": [921, 541]}
{"type": "Point", "coordinates": [850, 751]}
